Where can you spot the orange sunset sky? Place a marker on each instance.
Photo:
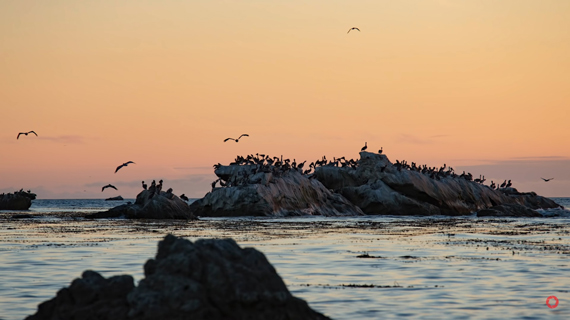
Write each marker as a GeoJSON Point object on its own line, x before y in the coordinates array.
{"type": "Point", "coordinates": [482, 86]}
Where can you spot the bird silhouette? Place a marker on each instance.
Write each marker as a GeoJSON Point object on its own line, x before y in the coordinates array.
{"type": "Point", "coordinates": [123, 165]}
{"type": "Point", "coordinates": [353, 28]}
{"type": "Point", "coordinates": [108, 186]}
{"type": "Point", "coordinates": [365, 147]}
{"type": "Point", "coordinates": [546, 180]}
{"type": "Point", "coordinates": [237, 140]}
{"type": "Point", "coordinates": [380, 151]}
{"type": "Point", "coordinates": [25, 133]}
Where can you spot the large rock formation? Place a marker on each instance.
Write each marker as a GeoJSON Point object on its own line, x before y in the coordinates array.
{"type": "Point", "coordinates": [254, 193]}
{"type": "Point", "coordinates": [19, 200]}
{"type": "Point", "coordinates": [150, 205]}
{"type": "Point", "coordinates": [379, 187]}
{"type": "Point", "coordinates": [207, 279]}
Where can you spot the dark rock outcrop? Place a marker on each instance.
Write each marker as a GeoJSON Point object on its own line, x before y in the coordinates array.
{"type": "Point", "coordinates": [266, 194]}
{"type": "Point", "coordinates": [508, 210]}
{"type": "Point", "coordinates": [117, 198]}
{"type": "Point", "coordinates": [379, 187]}
{"type": "Point", "coordinates": [19, 200]}
{"type": "Point", "coordinates": [148, 205]}
{"type": "Point", "coordinates": [207, 279]}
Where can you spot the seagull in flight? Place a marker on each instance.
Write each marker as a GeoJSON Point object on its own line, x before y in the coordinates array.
{"type": "Point", "coordinates": [546, 180]}
{"type": "Point", "coordinates": [25, 133]}
{"type": "Point", "coordinates": [353, 28]}
{"type": "Point", "coordinates": [108, 186]}
{"type": "Point", "coordinates": [237, 140]}
{"type": "Point", "coordinates": [123, 165]}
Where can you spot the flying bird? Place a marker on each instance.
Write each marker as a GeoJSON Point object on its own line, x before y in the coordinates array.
{"type": "Point", "coordinates": [108, 186]}
{"type": "Point", "coordinates": [546, 180]}
{"type": "Point", "coordinates": [353, 28]}
{"type": "Point", "coordinates": [25, 133]}
{"type": "Point", "coordinates": [237, 140]}
{"type": "Point", "coordinates": [123, 165]}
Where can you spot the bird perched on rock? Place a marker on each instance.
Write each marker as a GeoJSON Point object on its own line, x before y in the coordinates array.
{"type": "Point", "coordinates": [353, 28]}
{"type": "Point", "coordinates": [365, 147]}
{"type": "Point", "coordinates": [144, 185]}
{"type": "Point", "coordinates": [237, 140]}
{"type": "Point", "coordinates": [123, 165]}
{"type": "Point", "coordinates": [546, 180]}
{"type": "Point", "coordinates": [184, 197]}
{"type": "Point", "coordinates": [108, 186]}
{"type": "Point", "coordinates": [380, 151]}
{"type": "Point", "coordinates": [25, 133]}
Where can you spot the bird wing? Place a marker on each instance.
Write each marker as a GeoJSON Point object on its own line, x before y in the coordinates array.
{"type": "Point", "coordinates": [18, 137]}
{"type": "Point", "coordinates": [112, 186]}
{"type": "Point", "coordinates": [356, 29]}
{"type": "Point", "coordinates": [229, 139]}
{"type": "Point", "coordinates": [33, 133]}
{"type": "Point", "coordinates": [119, 167]}
{"type": "Point", "coordinates": [126, 163]}
{"type": "Point", "coordinates": [103, 188]}
{"type": "Point", "coordinates": [244, 135]}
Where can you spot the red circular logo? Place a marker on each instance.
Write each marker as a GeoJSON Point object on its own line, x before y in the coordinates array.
{"type": "Point", "coordinates": [548, 302]}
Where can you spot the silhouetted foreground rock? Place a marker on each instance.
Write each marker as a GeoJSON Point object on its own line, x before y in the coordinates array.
{"type": "Point", "coordinates": [19, 200]}
{"type": "Point", "coordinates": [379, 187]}
{"type": "Point", "coordinates": [148, 205]}
{"type": "Point", "coordinates": [265, 194]}
{"type": "Point", "coordinates": [207, 279]}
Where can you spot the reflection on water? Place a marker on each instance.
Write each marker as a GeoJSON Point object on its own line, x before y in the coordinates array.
{"type": "Point", "coordinates": [428, 268]}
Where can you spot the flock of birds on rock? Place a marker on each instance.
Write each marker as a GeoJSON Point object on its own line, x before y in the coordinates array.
{"type": "Point", "coordinates": [445, 172]}
{"type": "Point", "coordinates": [278, 166]}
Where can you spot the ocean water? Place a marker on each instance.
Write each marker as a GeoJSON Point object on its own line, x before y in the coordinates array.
{"type": "Point", "coordinates": [417, 267]}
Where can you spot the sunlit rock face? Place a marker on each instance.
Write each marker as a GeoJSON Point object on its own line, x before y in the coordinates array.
{"type": "Point", "coordinates": [19, 200]}
{"type": "Point", "coordinates": [149, 205]}
{"type": "Point", "coordinates": [207, 279]}
{"type": "Point", "coordinates": [378, 186]}
{"type": "Point", "coordinates": [264, 194]}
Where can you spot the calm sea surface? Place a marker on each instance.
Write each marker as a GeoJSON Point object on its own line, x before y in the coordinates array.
{"type": "Point", "coordinates": [419, 267]}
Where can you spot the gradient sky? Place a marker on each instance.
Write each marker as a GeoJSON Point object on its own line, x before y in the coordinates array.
{"type": "Point", "coordinates": [482, 86]}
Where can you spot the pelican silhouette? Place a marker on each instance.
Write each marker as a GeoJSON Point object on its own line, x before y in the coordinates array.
{"type": "Point", "coordinates": [25, 133]}
{"type": "Point", "coordinates": [353, 28]}
{"type": "Point", "coordinates": [108, 186]}
{"type": "Point", "coordinates": [123, 165]}
{"type": "Point", "coordinates": [546, 180]}
{"type": "Point", "coordinates": [237, 140]}
{"type": "Point", "coordinates": [365, 147]}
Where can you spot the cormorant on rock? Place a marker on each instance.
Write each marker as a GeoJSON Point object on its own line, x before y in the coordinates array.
{"type": "Point", "coordinates": [237, 140]}
{"type": "Point", "coordinates": [123, 165]}
{"type": "Point", "coordinates": [546, 180]}
{"type": "Point", "coordinates": [380, 151]}
{"type": "Point", "coordinates": [509, 184]}
{"type": "Point", "coordinates": [108, 186]}
{"type": "Point", "coordinates": [26, 133]}
{"type": "Point", "coordinates": [214, 183]}
{"type": "Point", "coordinates": [365, 147]}
{"type": "Point", "coordinates": [144, 185]}
{"type": "Point", "coordinates": [159, 186]}
{"type": "Point", "coordinates": [504, 184]}
{"type": "Point", "coordinates": [152, 189]}
{"type": "Point", "coordinates": [184, 197]}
